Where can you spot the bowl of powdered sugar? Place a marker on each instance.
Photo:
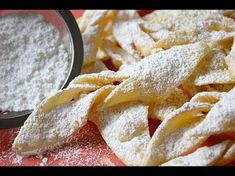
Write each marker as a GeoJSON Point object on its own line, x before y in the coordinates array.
{"type": "Point", "coordinates": [40, 53]}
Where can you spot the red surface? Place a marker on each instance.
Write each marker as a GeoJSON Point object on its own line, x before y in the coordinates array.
{"type": "Point", "coordinates": [77, 13]}
{"type": "Point", "coordinates": [92, 148]}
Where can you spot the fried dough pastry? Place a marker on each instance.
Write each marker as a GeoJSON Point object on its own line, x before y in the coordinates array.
{"type": "Point", "coordinates": [124, 127]}
{"type": "Point", "coordinates": [131, 33]}
{"type": "Point", "coordinates": [230, 60]}
{"type": "Point", "coordinates": [227, 157]}
{"type": "Point", "coordinates": [160, 110]}
{"type": "Point", "coordinates": [214, 70]}
{"type": "Point", "coordinates": [190, 20]}
{"type": "Point", "coordinates": [204, 156]}
{"type": "Point", "coordinates": [155, 77]}
{"type": "Point", "coordinates": [55, 119]}
{"type": "Point", "coordinates": [189, 126]}
{"type": "Point", "coordinates": [139, 80]}
{"type": "Point", "coordinates": [94, 67]}
{"type": "Point", "coordinates": [92, 26]}
{"type": "Point", "coordinates": [119, 56]}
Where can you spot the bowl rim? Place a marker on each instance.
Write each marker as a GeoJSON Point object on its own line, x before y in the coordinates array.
{"type": "Point", "coordinates": [78, 53]}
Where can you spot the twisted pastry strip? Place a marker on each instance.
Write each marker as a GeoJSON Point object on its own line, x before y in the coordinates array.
{"type": "Point", "coordinates": [188, 127]}
{"type": "Point", "coordinates": [124, 127]}
{"type": "Point", "coordinates": [230, 60]}
{"type": "Point", "coordinates": [160, 110]}
{"type": "Point", "coordinates": [151, 79]}
{"type": "Point", "coordinates": [131, 33]}
{"type": "Point", "coordinates": [56, 118]}
{"type": "Point", "coordinates": [119, 56]}
{"type": "Point", "coordinates": [227, 157]}
{"type": "Point", "coordinates": [202, 20]}
{"type": "Point", "coordinates": [204, 156]}
{"type": "Point", "coordinates": [92, 25]}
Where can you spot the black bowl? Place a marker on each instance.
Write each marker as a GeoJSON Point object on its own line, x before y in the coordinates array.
{"type": "Point", "coordinates": [65, 22]}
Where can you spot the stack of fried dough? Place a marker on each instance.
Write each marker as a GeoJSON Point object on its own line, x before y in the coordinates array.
{"type": "Point", "coordinates": [177, 66]}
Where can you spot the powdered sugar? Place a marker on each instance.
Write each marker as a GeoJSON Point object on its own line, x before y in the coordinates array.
{"type": "Point", "coordinates": [34, 61]}
{"type": "Point", "coordinates": [17, 160]}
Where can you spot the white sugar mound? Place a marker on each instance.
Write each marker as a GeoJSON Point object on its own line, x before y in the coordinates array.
{"type": "Point", "coordinates": [34, 61]}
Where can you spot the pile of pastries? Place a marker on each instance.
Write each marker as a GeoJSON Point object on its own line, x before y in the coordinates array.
{"type": "Point", "coordinates": [177, 66]}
